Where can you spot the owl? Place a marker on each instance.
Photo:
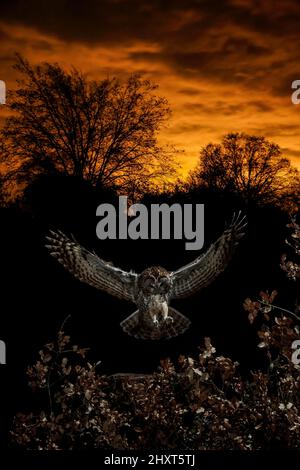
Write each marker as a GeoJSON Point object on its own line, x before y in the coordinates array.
{"type": "Point", "coordinates": [153, 289]}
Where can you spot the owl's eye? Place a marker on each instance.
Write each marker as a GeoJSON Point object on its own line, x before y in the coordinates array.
{"type": "Point", "coordinates": [149, 284]}
{"type": "Point", "coordinates": [164, 283]}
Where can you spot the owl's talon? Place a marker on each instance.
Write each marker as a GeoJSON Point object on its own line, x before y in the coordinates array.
{"type": "Point", "coordinates": [169, 319]}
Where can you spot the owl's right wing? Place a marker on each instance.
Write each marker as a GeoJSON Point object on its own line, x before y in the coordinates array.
{"type": "Point", "coordinates": [89, 268]}
{"type": "Point", "coordinates": [203, 270]}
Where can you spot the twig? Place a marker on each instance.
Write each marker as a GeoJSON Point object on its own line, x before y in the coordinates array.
{"type": "Point", "coordinates": [64, 322]}
{"type": "Point", "coordinates": [58, 353]}
{"type": "Point", "coordinates": [279, 308]}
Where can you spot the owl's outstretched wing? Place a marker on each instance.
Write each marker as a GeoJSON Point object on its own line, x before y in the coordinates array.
{"type": "Point", "coordinates": [89, 268]}
{"type": "Point", "coordinates": [204, 269]}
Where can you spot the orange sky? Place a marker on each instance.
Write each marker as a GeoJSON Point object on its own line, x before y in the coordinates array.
{"type": "Point", "coordinates": [224, 66]}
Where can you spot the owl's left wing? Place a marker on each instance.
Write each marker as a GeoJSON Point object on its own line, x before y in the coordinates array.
{"type": "Point", "coordinates": [89, 268]}
{"type": "Point", "coordinates": [204, 269]}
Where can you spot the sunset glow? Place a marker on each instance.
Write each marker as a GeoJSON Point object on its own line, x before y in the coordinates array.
{"type": "Point", "coordinates": [223, 68]}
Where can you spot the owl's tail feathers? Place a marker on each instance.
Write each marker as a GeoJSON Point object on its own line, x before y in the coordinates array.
{"type": "Point", "coordinates": [174, 326]}
{"type": "Point", "coordinates": [179, 324]}
{"type": "Point", "coordinates": [131, 325]}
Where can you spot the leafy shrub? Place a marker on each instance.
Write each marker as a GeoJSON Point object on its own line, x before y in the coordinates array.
{"type": "Point", "coordinates": [200, 403]}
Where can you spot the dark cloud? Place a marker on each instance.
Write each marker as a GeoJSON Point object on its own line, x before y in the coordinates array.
{"type": "Point", "coordinates": [261, 106]}
{"type": "Point", "coordinates": [191, 127]}
{"type": "Point", "coordinates": [243, 47]}
{"type": "Point", "coordinates": [214, 39]}
{"type": "Point", "coordinates": [3, 35]}
{"type": "Point", "coordinates": [104, 21]}
{"type": "Point", "coordinates": [220, 107]}
{"type": "Point", "coordinates": [282, 86]}
{"type": "Point", "coordinates": [290, 152]}
{"type": "Point", "coordinates": [115, 20]}
{"type": "Point", "coordinates": [243, 52]}
{"type": "Point", "coordinates": [189, 92]}
{"type": "Point", "coordinates": [225, 64]}
{"type": "Point", "coordinates": [287, 130]}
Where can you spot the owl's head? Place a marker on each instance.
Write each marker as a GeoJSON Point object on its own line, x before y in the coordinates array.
{"type": "Point", "coordinates": [154, 281]}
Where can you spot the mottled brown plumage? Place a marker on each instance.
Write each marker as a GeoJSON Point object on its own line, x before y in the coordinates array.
{"type": "Point", "coordinates": [153, 289]}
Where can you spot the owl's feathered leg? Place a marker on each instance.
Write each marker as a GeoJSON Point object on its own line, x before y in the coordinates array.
{"type": "Point", "coordinates": [176, 324]}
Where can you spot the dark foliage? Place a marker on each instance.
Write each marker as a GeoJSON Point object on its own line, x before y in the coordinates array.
{"type": "Point", "coordinates": [200, 403]}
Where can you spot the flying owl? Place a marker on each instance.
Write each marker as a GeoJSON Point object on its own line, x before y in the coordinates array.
{"type": "Point", "coordinates": [154, 288]}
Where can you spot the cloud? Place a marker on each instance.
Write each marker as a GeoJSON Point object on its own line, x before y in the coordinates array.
{"type": "Point", "coordinates": [223, 65]}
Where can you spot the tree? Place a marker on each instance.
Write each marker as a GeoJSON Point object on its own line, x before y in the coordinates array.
{"type": "Point", "coordinates": [250, 166]}
{"type": "Point", "coordinates": [101, 131]}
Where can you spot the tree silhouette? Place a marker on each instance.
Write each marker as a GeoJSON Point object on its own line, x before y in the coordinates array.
{"type": "Point", "coordinates": [101, 131]}
{"type": "Point", "coordinates": [250, 166]}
